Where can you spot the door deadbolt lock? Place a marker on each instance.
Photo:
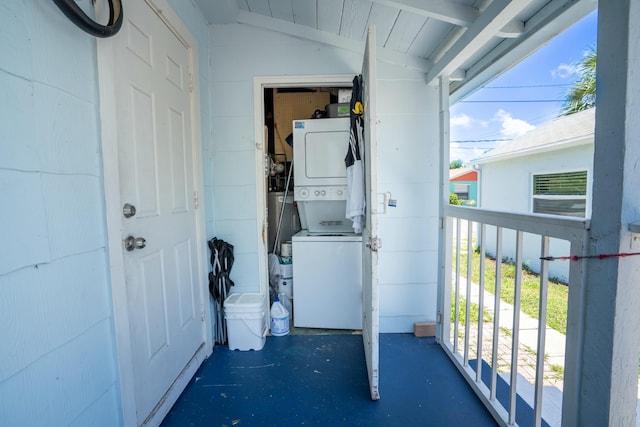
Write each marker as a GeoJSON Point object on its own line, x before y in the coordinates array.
{"type": "Point", "coordinates": [131, 243]}
{"type": "Point", "coordinates": [128, 210]}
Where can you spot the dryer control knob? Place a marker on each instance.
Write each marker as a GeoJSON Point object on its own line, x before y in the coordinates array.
{"type": "Point", "coordinates": [339, 192]}
{"type": "Point", "coordinates": [304, 193]}
{"type": "Point", "coordinates": [317, 193]}
{"type": "Point", "coordinates": [324, 193]}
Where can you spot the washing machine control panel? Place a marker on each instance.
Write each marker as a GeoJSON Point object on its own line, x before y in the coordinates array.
{"type": "Point", "coordinates": [311, 193]}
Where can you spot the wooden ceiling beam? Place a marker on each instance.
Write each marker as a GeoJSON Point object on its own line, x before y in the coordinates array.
{"type": "Point", "coordinates": [495, 17]}
{"type": "Point", "coordinates": [453, 13]}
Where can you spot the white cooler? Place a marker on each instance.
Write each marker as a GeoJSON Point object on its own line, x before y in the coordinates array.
{"type": "Point", "coordinates": [246, 325]}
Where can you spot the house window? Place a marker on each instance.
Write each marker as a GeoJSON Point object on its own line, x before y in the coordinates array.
{"type": "Point", "coordinates": [462, 191]}
{"type": "Point", "coordinates": [560, 193]}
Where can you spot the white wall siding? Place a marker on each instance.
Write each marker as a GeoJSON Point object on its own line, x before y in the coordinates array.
{"type": "Point", "coordinates": [26, 225]}
{"type": "Point", "coordinates": [506, 185]}
{"type": "Point", "coordinates": [58, 346]}
{"type": "Point", "coordinates": [408, 169]}
{"type": "Point", "coordinates": [58, 355]}
{"type": "Point", "coordinates": [407, 142]}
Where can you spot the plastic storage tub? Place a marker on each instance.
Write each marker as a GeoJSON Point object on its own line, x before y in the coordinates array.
{"type": "Point", "coordinates": [246, 325]}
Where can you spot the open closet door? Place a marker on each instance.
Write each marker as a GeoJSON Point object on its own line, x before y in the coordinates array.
{"type": "Point", "coordinates": [370, 240]}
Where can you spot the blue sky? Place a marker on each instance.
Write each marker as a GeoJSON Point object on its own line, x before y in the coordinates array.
{"type": "Point", "coordinates": [545, 75]}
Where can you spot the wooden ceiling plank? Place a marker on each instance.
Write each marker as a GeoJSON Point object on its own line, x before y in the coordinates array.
{"type": "Point", "coordinates": [404, 32]}
{"type": "Point", "coordinates": [355, 14]}
{"type": "Point", "coordinates": [329, 15]}
{"type": "Point", "coordinates": [259, 6]}
{"type": "Point", "coordinates": [383, 17]}
{"type": "Point", "coordinates": [304, 13]}
{"type": "Point", "coordinates": [429, 38]}
{"type": "Point", "coordinates": [281, 9]}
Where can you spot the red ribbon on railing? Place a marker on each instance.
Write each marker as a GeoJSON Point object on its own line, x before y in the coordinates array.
{"type": "Point", "coordinates": [579, 257]}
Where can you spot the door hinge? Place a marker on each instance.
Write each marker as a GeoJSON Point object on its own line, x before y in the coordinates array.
{"type": "Point", "coordinates": [190, 83]}
{"type": "Point", "coordinates": [439, 317]}
{"type": "Point", "coordinates": [202, 312]}
{"type": "Point", "coordinates": [196, 202]}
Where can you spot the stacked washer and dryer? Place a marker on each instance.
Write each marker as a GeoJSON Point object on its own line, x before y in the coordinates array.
{"type": "Point", "coordinates": [327, 267]}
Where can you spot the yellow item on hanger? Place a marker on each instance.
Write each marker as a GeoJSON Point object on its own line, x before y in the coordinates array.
{"type": "Point", "coordinates": [358, 108]}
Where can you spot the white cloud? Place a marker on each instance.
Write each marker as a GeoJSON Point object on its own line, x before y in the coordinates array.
{"type": "Point", "coordinates": [510, 127]}
{"type": "Point", "coordinates": [563, 71]}
{"type": "Point", "coordinates": [461, 120]}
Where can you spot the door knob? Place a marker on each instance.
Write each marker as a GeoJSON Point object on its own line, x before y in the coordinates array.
{"type": "Point", "coordinates": [131, 243]}
{"type": "Point", "coordinates": [128, 210]}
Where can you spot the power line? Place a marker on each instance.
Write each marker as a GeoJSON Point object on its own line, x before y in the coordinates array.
{"type": "Point", "coordinates": [482, 140]}
{"type": "Point", "coordinates": [512, 101]}
{"type": "Point", "coordinates": [527, 86]}
{"type": "Point", "coordinates": [472, 148]}
{"type": "Point", "coordinates": [537, 121]}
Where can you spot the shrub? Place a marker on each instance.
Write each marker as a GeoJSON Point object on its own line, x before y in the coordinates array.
{"type": "Point", "coordinates": [453, 199]}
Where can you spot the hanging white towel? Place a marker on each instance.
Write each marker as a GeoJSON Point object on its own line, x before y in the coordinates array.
{"type": "Point", "coordinates": [355, 181]}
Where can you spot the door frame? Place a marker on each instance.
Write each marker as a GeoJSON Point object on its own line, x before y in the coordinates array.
{"type": "Point", "coordinates": [113, 214]}
{"type": "Point", "coordinates": [260, 83]}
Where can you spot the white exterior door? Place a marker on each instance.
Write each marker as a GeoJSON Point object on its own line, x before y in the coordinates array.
{"type": "Point", "coordinates": [370, 240]}
{"type": "Point", "coordinates": [154, 109]}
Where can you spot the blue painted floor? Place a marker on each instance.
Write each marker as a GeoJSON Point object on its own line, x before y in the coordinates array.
{"type": "Point", "coordinates": [321, 380]}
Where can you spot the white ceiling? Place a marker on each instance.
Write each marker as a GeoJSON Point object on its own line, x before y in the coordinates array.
{"type": "Point", "coordinates": [471, 41]}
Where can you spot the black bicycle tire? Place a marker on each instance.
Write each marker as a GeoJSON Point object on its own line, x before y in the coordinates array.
{"type": "Point", "coordinates": [76, 15]}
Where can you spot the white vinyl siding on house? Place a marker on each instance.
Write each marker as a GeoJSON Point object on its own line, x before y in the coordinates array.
{"type": "Point", "coordinates": [560, 193]}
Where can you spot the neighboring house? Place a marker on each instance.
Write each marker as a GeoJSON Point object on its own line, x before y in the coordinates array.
{"type": "Point", "coordinates": [463, 182]}
{"type": "Point", "coordinates": [548, 170]}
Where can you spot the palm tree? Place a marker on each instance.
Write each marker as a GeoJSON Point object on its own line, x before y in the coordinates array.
{"type": "Point", "coordinates": [582, 94]}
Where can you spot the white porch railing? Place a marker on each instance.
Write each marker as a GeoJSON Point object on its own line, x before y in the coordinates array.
{"type": "Point", "coordinates": [463, 336]}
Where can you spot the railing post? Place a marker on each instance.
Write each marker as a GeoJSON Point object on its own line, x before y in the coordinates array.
{"type": "Point", "coordinates": [482, 231]}
{"type": "Point", "coordinates": [467, 313]}
{"type": "Point", "coordinates": [444, 244]}
{"type": "Point", "coordinates": [575, 335]}
{"type": "Point", "coordinates": [515, 341]}
{"type": "Point", "coordinates": [443, 325]}
{"type": "Point", "coordinates": [456, 310]}
{"type": "Point", "coordinates": [496, 315]}
{"type": "Point", "coordinates": [542, 330]}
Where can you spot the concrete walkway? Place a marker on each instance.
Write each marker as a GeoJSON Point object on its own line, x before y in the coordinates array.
{"type": "Point", "coordinates": [528, 340]}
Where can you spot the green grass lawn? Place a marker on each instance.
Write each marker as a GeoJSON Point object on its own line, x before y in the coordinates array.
{"type": "Point", "coordinates": [473, 312]}
{"type": "Point", "coordinates": [558, 293]}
